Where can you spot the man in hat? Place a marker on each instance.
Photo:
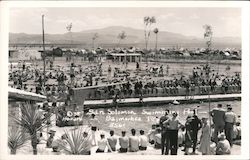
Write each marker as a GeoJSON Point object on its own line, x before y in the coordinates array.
{"type": "Point", "coordinates": [164, 134]}
{"type": "Point", "coordinates": [223, 146]}
{"type": "Point", "coordinates": [218, 115]}
{"type": "Point", "coordinates": [173, 124]}
{"type": "Point", "coordinates": [50, 139]}
{"type": "Point", "coordinates": [230, 119]}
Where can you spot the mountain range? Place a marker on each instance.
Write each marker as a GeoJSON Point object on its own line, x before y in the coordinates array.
{"type": "Point", "coordinates": [109, 35]}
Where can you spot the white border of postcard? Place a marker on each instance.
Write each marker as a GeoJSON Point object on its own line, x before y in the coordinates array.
{"type": "Point", "coordinates": [4, 26]}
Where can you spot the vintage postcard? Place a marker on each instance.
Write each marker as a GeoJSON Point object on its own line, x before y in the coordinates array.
{"type": "Point", "coordinates": [125, 79]}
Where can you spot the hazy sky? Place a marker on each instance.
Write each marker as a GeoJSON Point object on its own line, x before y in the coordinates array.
{"type": "Point", "coordinates": [187, 21]}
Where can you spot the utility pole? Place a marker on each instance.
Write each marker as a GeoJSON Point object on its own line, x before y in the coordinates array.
{"type": "Point", "coordinates": [44, 66]}
{"type": "Point", "coordinates": [44, 54]}
{"type": "Point", "coordinates": [208, 35]}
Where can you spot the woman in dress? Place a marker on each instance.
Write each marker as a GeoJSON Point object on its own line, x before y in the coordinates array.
{"type": "Point", "coordinates": [188, 140]}
{"type": "Point", "coordinates": [205, 138]}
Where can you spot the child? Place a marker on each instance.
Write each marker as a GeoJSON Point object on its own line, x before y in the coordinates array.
{"type": "Point", "coordinates": [181, 136]}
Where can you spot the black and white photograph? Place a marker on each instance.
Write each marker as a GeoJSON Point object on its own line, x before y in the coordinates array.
{"type": "Point", "coordinates": [126, 80]}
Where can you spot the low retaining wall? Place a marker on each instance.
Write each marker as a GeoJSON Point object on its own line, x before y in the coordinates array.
{"type": "Point", "coordinates": [150, 101]}
{"type": "Point", "coordinates": [80, 95]}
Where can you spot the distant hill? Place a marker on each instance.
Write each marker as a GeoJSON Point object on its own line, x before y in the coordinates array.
{"type": "Point", "coordinates": [108, 35]}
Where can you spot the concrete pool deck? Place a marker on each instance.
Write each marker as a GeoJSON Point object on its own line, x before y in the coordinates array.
{"type": "Point", "coordinates": [160, 100]}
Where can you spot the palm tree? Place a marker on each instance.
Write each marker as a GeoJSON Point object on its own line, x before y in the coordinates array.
{"type": "Point", "coordinates": [148, 21]}
{"type": "Point", "coordinates": [95, 36]}
{"type": "Point", "coordinates": [33, 121]}
{"type": "Point", "coordinates": [156, 31]}
{"type": "Point", "coordinates": [208, 35]}
{"type": "Point", "coordinates": [16, 139]}
{"type": "Point", "coordinates": [121, 36]}
{"type": "Point", "coordinates": [76, 143]}
{"type": "Point", "coordinates": [69, 28]}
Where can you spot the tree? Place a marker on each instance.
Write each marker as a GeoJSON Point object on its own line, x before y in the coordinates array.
{"type": "Point", "coordinates": [156, 31]}
{"type": "Point", "coordinates": [95, 36]}
{"type": "Point", "coordinates": [208, 35]}
{"type": "Point", "coordinates": [76, 143]}
{"type": "Point", "coordinates": [121, 36]}
{"type": "Point", "coordinates": [148, 21]}
{"type": "Point", "coordinates": [69, 27]}
{"type": "Point", "coordinates": [32, 121]}
{"type": "Point", "coordinates": [16, 139]}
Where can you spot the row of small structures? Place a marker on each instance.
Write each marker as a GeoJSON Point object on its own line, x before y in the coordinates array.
{"type": "Point", "coordinates": [92, 54]}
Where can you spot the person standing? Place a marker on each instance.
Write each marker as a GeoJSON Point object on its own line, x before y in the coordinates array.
{"type": "Point", "coordinates": [164, 134]}
{"type": "Point", "coordinates": [230, 119]}
{"type": "Point", "coordinates": [196, 125]}
{"type": "Point", "coordinates": [204, 147]}
{"type": "Point", "coordinates": [188, 138]}
{"type": "Point", "coordinates": [218, 115]}
{"type": "Point", "coordinates": [137, 65]}
{"type": "Point", "coordinates": [167, 70]}
{"type": "Point", "coordinates": [133, 142]}
{"type": "Point", "coordinates": [50, 139]}
{"type": "Point", "coordinates": [109, 71]}
{"type": "Point", "coordinates": [124, 143]}
{"type": "Point", "coordinates": [93, 123]}
{"type": "Point", "coordinates": [173, 125]}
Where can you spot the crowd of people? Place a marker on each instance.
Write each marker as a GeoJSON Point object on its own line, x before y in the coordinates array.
{"type": "Point", "coordinates": [168, 135]}
{"type": "Point", "coordinates": [59, 81]}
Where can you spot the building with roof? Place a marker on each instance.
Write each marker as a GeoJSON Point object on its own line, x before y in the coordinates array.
{"type": "Point", "coordinates": [16, 97]}
{"type": "Point", "coordinates": [125, 57]}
